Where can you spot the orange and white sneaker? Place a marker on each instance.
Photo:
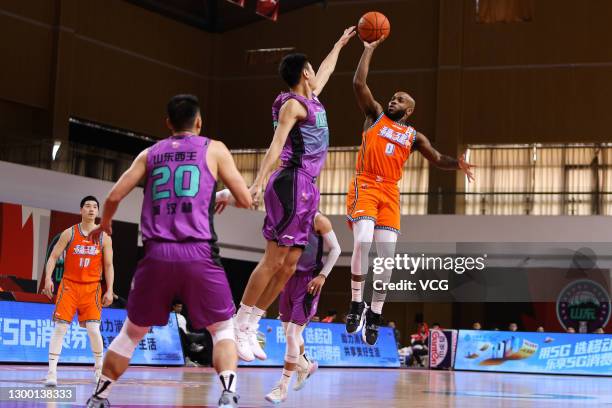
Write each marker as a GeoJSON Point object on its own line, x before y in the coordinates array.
{"type": "Point", "coordinates": [278, 394]}
{"type": "Point", "coordinates": [305, 373]}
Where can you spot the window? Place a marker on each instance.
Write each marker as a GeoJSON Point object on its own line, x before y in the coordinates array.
{"type": "Point", "coordinates": [571, 179]}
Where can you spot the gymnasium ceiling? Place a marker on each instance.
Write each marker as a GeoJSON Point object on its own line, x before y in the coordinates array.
{"type": "Point", "coordinates": [215, 15]}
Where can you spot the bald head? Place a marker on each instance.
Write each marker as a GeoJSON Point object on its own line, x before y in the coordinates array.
{"type": "Point", "coordinates": [400, 106]}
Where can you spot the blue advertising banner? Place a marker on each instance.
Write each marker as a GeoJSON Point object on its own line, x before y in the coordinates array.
{"type": "Point", "coordinates": [547, 353]}
{"type": "Point", "coordinates": [330, 345]}
{"type": "Point", "coordinates": [26, 329]}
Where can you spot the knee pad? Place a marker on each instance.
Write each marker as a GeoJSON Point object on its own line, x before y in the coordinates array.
{"type": "Point", "coordinates": [61, 327]}
{"type": "Point", "coordinates": [127, 340]}
{"type": "Point", "coordinates": [222, 331]}
{"type": "Point", "coordinates": [292, 351]}
{"type": "Point", "coordinates": [92, 327]}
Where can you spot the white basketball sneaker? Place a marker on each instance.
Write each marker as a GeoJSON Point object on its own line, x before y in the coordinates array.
{"type": "Point", "coordinates": [51, 380]}
{"type": "Point", "coordinates": [242, 343]}
{"type": "Point", "coordinates": [304, 373]}
{"type": "Point", "coordinates": [254, 343]}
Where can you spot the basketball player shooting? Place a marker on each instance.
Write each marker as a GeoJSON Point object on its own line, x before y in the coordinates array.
{"type": "Point", "coordinates": [373, 207]}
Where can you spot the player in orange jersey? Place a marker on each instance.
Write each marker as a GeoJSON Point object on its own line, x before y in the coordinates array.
{"type": "Point", "coordinates": [373, 208]}
{"type": "Point", "coordinates": [80, 289]}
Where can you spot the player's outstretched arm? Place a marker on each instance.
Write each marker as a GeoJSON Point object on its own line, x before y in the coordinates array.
{"type": "Point", "coordinates": [109, 270]}
{"type": "Point", "coordinates": [368, 105]}
{"type": "Point", "coordinates": [122, 188]}
{"type": "Point", "coordinates": [59, 247]}
{"type": "Point", "coordinates": [229, 174]}
{"type": "Point", "coordinates": [323, 227]}
{"type": "Point", "coordinates": [327, 67]}
{"type": "Point", "coordinates": [290, 113]}
{"type": "Point", "coordinates": [442, 161]}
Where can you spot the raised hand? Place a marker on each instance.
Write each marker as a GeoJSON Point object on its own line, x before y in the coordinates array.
{"type": "Point", "coordinates": [346, 36]}
{"type": "Point", "coordinates": [466, 168]}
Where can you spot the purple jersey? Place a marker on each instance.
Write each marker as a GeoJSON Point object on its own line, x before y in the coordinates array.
{"type": "Point", "coordinates": [179, 194]}
{"type": "Point", "coordinates": [310, 262]}
{"type": "Point", "coordinates": [308, 140]}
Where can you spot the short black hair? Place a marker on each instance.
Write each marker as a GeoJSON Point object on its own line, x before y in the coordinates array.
{"type": "Point", "coordinates": [290, 68]}
{"type": "Point", "coordinates": [182, 111]}
{"type": "Point", "coordinates": [89, 198]}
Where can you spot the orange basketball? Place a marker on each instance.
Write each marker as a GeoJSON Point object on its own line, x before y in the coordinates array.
{"type": "Point", "coordinates": [372, 26]}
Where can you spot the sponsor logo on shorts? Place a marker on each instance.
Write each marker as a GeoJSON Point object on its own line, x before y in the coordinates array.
{"type": "Point", "coordinates": [288, 236]}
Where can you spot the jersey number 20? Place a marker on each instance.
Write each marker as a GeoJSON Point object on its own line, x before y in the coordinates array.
{"type": "Point", "coordinates": [162, 176]}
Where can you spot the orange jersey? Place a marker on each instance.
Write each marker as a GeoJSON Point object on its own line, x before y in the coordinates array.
{"type": "Point", "coordinates": [83, 262]}
{"type": "Point", "coordinates": [385, 147]}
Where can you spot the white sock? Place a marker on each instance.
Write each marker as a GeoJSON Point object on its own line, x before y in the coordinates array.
{"type": "Point", "coordinates": [286, 377]}
{"type": "Point", "coordinates": [103, 388]}
{"type": "Point", "coordinates": [53, 359]}
{"type": "Point", "coordinates": [377, 307]}
{"type": "Point", "coordinates": [55, 344]}
{"type": "Point", "coordinates": [356, 291]}
{"type": "Point", "coordinates": [243, 315]}
{"type": "Point", "coordinates": [228, 380]}
{"type": "Point", "coordinates": [256, 315]}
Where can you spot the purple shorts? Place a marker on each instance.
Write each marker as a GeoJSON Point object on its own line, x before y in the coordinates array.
{"type": "Point", "coordinates": [291, 199]}
{"type": "Point", "coordinates": [296, 305]}
{"type": "Point", "coordinates": [190, 272]}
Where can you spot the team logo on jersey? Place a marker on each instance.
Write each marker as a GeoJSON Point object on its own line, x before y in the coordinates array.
{"type": "Point", "coordinates": [402, 138]}
{"type": "Point", "coordinates": [321, 119]}
{"type": "Point", "coordinates": [584, 305]}
{"type": "Point", "coordinates": [86, 250]}
{"type": "Point", "coordinates": [175, 145]}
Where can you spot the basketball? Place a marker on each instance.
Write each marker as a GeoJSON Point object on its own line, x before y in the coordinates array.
{"type": "Point", "coordinates": [372, 26]}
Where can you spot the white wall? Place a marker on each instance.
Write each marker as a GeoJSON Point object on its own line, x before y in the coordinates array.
{"type": "Point", "coordinates": [59, 191]}
{"type": "Point", "coordinates": [239, 231]}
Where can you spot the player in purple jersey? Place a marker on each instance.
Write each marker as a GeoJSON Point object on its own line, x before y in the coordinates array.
{"type": "Point", "coordinates": [181, 256]}
{"type": "Point", "coordinates": [298, 304]}
{"type": "Point", "coordinates": [301, 139]}
{"type": "Point", "coordinates": [299, 299]}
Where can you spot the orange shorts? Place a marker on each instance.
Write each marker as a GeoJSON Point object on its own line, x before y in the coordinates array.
{"type": "Point", "coordinates": [86, 298]}
{"type": "Point", "coordinates": [371, 198]}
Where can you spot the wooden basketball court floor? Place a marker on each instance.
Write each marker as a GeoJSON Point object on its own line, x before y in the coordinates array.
{"type": "Point", "coordinates": [329, 387]}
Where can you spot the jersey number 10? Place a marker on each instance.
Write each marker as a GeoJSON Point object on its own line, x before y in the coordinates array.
{"type": "Point", "coordinates": [162, 175]}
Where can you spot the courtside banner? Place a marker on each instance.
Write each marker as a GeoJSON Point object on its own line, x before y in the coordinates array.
{"type": "Point", "coordinates": [26, 329]}
{"type": "Point", "coordinates": [547, 353]}
{"type": "Point", "coordinates": [442, 346]}
{"type": "Point", "coordinates": [329, 344]}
